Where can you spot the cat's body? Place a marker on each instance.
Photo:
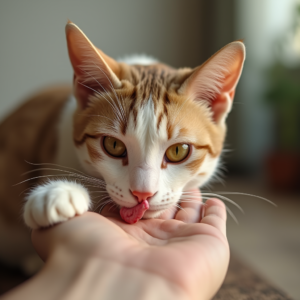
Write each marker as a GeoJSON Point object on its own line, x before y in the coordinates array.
{"type": "Point", "coordinates": [150, 131]}
{"type": "Point", "coordinates": [27, 135]}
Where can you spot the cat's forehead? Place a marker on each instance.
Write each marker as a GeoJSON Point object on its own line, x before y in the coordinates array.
{"type": "Point", "coordinates": [149, 99]}
{"type": "Point", "coordinates": [154, 80]}
{"type": "Point", "coordinates": [149, 106]}
{"type": "Point", "coordinates": [168, 118]}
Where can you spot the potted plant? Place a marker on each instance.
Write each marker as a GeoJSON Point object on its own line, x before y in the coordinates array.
{"type": "Point", "coordinates": [283, 97]}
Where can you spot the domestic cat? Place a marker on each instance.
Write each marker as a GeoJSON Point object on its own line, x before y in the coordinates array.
{"type": "Point", "coordinates": [138, 129]}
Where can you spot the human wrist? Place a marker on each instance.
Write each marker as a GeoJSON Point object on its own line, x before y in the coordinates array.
{"type": "Point", "coordinates": [84, 277]}
{"type": "Point", "coordinates": [69, 275]}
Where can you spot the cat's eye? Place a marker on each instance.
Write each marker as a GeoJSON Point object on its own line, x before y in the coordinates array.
{"type": "Point", "coordinates": [177, 152]}
{"type": "Point", "coordinates": [114, 147]}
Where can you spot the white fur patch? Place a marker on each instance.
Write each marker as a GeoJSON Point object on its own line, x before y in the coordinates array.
{"type": "Point", "coordinates": [54, 202]}
{"type": "Point", "coordinates": [146, 125]}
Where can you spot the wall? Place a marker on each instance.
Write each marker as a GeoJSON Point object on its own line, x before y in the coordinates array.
{"type": "Point", "coordinates": [259, 23]}
{"type": "Point", "coordinates": [33, 48]}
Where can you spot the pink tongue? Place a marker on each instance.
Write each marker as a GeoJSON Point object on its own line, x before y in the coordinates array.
{"type": "Point", "coordinates": [133, 214]}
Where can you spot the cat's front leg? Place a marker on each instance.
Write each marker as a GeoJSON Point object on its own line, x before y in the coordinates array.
{"type": "Point", "coordinates": [54, 202]}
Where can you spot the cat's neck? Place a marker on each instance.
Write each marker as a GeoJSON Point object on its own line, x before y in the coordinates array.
{"type": "Point", "coordinates": [66, 155]}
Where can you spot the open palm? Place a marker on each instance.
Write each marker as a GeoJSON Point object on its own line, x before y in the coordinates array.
{"type": "Point", "coordinates": [190, 257]}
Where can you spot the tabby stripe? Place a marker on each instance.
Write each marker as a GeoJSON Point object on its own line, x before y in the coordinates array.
{"type": "Point", "coordinates": [135, 116]}
{"type": "Point", "coordinates": [125, 161]}
{"type": "Point", "coordinates": [93, 153]}
{"type": "Point", "coordinates": [165, 110]}
{"type": "Point", "coordinates": [123, 127]}
{"type": "Point", "coordinates": [159, 121]}
{"type": "Point", "coordinates": [163, 164]}
{"type": "Point", "coordinates": [195, 164]}
{"type": "Point", "coordinates": [202, 174]}
{"type": "Point", "coordinates": [208, 148]}
{"type": "Point", "coordinates": [133, 98]}
{"type": "Point", "coordinates": [182, 132]}
{"type": "Point", "coordinates": [169, 130]}
{"type": "Point", "coordinates": [166, 99]}
{"type": "Point", "coordinates": [83, 139]}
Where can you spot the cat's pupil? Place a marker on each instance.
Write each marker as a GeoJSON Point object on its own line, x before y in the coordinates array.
{"type": "Point", "coordinates": [115, 144]}
{"type": "Point", "coordinates": [177, 150]}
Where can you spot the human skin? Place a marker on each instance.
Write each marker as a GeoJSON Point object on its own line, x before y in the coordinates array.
{"type": "Point", "coordinates": [97, 257]}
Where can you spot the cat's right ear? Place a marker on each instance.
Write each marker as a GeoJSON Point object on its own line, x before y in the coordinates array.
{"type": "Point", "coordinates": [215, 81]}
{"type": "Point", "coordinates": [94, 71]}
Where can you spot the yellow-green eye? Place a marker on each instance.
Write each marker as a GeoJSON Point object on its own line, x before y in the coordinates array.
{"type": "Point", "coordinates": [114, 147]}
{"type": "Point", "coordinates": [177, 152]}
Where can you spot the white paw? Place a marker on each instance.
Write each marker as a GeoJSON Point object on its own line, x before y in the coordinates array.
{"type": "Point", "coordinates": [55, 202]}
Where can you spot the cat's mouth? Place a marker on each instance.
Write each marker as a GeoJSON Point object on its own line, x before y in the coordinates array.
{"type": "Point", "coordinates": [133, 214]}
{"type": "Point", "coordinates": [152, 212]}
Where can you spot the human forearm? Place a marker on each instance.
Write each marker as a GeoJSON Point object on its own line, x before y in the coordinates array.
{"type": "Point", "coordinates": [92, 257]}
{"type": "Point", "coordinates": [69, 276]}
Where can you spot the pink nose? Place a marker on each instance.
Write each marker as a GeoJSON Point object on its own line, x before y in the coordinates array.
{"type": "Point", "coordinates": [141, 196]}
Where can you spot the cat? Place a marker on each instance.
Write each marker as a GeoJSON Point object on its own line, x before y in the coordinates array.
{"type": "Point", "coordinates": [138, 129]}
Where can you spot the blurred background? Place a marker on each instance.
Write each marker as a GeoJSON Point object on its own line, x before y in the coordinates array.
{"type": "Point", "coordinates": [263, 135]}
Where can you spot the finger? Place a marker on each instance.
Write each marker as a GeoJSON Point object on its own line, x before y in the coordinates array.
{"type": "Point", "coordinates": [79, 233]}
{"type": "Point", "coordinates": [45, 240]}
{"type": "Point", "coordinates": [168, 214]}
{"type": "Point", "coordinates": [214, 214]}
{"type": "Point", "coordinates": [190, 207]}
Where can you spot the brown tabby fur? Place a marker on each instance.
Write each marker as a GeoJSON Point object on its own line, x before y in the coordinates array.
{"type": "Point", "coordinates": [27, 135]}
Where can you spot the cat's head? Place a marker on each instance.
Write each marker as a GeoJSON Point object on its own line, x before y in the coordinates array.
{"type": "Point", "coordinates": [150, 131]}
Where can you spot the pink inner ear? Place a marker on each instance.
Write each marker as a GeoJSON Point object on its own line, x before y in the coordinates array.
{"type": "Point", "coordinates": [215, 81]}
{"type": "Point", "coordinates": [218, 106]}
{"type": "Point", "coordinates": [82, 93]}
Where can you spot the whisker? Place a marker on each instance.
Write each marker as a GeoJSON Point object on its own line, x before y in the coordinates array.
{"type": "Point", "coordinates": [180, 207]}
{"type": "Point", "coordinates": [232, 214]}
{"type": "Point", "coordinates": [103, 200]}
{"type": "Point", "coordinates": [25, 190]}
{"type": "Point", "coordinates": [103, 205]}
{"type": "Point", "coordinates": [112, 206]}
{"type": "Point", "coordinates": [86, 115]}
{"type": "Point", "coordinates": [115, 108]}
{"type": "Point", "coordinates": [102, 95]}
{"type": "Point", "coordinates": [121, 109]}
{"type": "Point", "coordinates": [232, 193]}
{"type": "Point", "coordinates": [104, 197]}
{"type": "Point", "coordinates": [80, 175]}
{"type": "Point", "coordinates": [250, 195]}
{"type": "Point", "coordinates": [51, 164]}
{"type": "Point", "coordinates": [44, 176]}
{"type": "Point", "coordinates": [89, 180]}
{"type": "Point", "coordinates": [102, 192]}
{"type": "Point", "coordinates": [222, 198]}
{"type": "Point", "coordinates": [190, 201]}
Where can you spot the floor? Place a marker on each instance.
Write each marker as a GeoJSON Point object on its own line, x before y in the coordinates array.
{"type": "Point", "coordinates": [267, 237]}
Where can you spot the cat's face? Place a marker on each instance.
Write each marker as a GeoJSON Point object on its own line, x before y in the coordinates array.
{"type": "Point", "coordinates": [150, 132]}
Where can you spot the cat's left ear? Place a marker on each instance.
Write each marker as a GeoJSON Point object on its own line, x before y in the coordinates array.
{"type": "Point", "coordinates": [215, 81]}
{"type": "Point", "coordinates": [94, 71]}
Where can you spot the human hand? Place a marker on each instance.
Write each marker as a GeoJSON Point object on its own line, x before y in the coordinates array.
{"type": "Point", "coordinates": [175, 259]}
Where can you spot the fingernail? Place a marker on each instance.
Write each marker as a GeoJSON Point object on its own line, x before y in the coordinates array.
{"type": "Point", "coordinates": [202, 212]}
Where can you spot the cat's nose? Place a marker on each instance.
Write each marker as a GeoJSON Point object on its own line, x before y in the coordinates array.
{"type": "Point", "coordinates": [141, 196]}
